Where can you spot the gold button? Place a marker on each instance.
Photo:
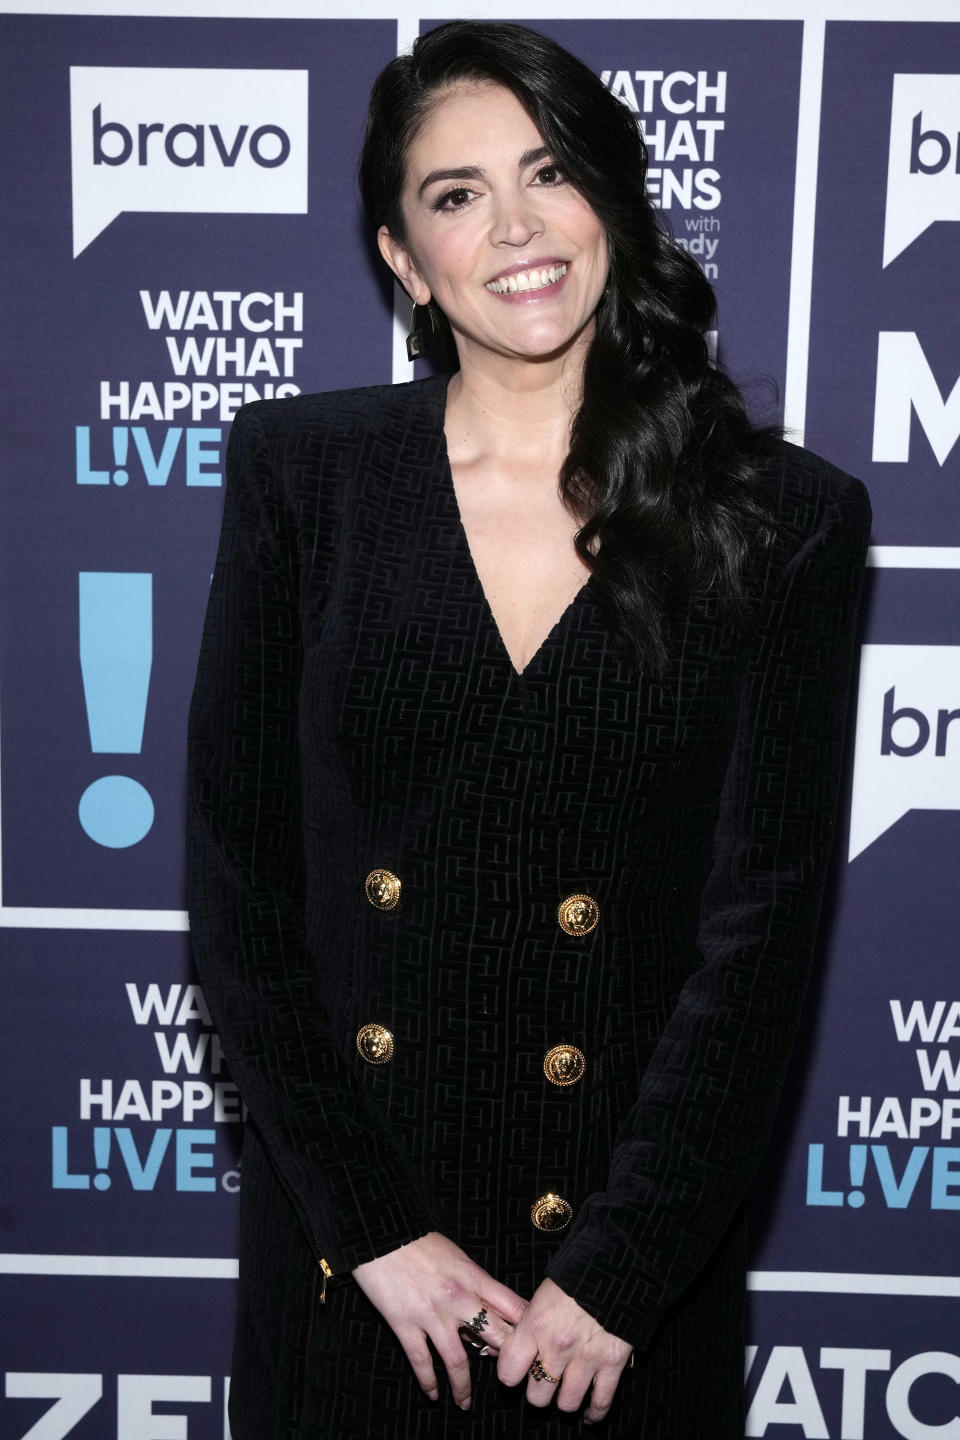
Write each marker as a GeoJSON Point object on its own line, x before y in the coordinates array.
{"type": "Point", "coordinates": [551, 1212]}
{"type": "Point", "coordinates": [375, 1043]}
{"type": "Point", "coordinates": [382, 889]}
{"type": "Point", "coordinates": [578, 914]}
{"type": "Point", "coordinates": [564, 1065]}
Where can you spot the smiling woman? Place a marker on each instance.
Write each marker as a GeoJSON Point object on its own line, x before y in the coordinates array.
{"type": "Point", "coordinates": [515, 754]}
{"type": "Point", "coordinates": [506, 224]}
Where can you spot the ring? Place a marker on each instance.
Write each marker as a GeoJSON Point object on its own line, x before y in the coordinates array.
{"type": "Point", "coordinates": [480, 1319]}
{"type": "Point", "coordinates": [539, 1373]}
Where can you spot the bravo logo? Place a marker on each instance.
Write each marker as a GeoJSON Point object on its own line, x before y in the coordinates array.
{"type": "Point", "coordinates": [908, 737]}
{"type": "Point", "coordinates": [190, 141]}
{"type": "Point", "coordinates": [923, 170]}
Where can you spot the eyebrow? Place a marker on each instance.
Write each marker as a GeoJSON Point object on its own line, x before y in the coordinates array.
{"type": "Point", "coordinates": [475, 172]}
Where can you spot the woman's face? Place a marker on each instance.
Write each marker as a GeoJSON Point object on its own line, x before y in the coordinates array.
{"type": "Point", "coordinates": [513, 255]}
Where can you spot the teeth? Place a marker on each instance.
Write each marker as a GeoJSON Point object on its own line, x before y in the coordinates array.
{"type": "Point", "coordinates": [527, 280]}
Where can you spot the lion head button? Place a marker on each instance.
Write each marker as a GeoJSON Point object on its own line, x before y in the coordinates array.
{"type": "Point", "coordinates": [382, 889]}
{"type": "Point", "coordinates": [564, 1065]}
{"type": "Point", "coordinates": [375, 1043]}
{"type": "Point", "coordinates": [551, 1212]}
{"type": "Point", "coordinates": [578, 914]}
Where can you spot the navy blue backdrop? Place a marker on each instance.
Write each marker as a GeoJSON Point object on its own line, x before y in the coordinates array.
{"type": "Point", "coordinates": [182, 235]}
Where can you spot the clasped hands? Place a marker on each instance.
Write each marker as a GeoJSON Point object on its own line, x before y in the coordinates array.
{"type": "Point", "coordinates": [430, 1288]}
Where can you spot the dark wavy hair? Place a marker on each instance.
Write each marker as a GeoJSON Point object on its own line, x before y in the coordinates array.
{"type": "Point", "coordinates": [664, 466]}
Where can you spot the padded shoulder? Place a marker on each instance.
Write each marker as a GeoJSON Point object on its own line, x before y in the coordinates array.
{"type": "Point", "coordinates": [811, 495]}
{"type": "Point", "coordinates": [347, 413]}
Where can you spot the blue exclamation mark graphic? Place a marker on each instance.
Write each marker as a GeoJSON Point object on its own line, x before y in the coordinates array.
{"type": "Point", "coordinates": [858, 1169]}
{"type": "Point", "coordinates": [116, 655]}
{"type": "Point", "coordinates": [101, 1154]}
{"type": "Point", "coordinates": [121, 436]}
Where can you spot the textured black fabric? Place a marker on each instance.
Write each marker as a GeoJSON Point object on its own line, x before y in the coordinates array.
{"type": "Point", "coordinates": [355, 707]}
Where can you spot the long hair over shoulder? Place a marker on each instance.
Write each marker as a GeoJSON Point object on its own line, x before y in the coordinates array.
{"type": "Point", "coordinates": [664, 467]}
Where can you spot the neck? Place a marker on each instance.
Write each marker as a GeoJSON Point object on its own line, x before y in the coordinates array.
{"type": "Point", "coordinates": [518, 410]}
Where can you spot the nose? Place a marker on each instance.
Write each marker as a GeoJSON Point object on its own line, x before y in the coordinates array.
{"type": "Point", "coordinates": [515, 220]}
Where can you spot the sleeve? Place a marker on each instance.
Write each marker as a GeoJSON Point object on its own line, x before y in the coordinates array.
{"type": "Point", "coordinates": [689, 1148]}
{"type": "Point", "coordinates": [353, 1190]}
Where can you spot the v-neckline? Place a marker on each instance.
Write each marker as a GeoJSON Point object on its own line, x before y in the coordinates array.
{"type": "Point", "coordinates": [464, 539]}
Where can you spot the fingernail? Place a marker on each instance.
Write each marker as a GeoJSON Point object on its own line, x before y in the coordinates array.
{"type": "Point", "coordinates": [464, 1404]}
{"type": "Point", "coordinates": [433, 1394]}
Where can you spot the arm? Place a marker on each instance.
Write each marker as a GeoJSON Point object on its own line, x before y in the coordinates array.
{"type": "Point", "coordinates": [689, 1148]}
{"type": "Point", "coordinates": [355, 1194]}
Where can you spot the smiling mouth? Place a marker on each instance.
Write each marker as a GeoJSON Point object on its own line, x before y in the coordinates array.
{"type": "Point", "coordinates": [526, 280]}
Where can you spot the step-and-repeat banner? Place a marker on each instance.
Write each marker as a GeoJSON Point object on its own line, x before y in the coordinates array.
{"type": "Point", "coordinates": [183, 234]}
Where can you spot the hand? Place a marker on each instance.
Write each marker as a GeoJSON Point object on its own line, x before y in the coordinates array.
{"type": "Point", "coordinates": [572, 1346]}
{"type": "Point", "coordinates": [430, 1288]}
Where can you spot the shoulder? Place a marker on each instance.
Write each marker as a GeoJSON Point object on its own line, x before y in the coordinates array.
{"type": "Point", "coordinates": [811, 498]}
{"type": "Point", "coordinates": [302, 425]}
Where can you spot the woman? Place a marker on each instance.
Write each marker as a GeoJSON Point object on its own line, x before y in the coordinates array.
{"type": "Point", "coordinates": [514, 753]}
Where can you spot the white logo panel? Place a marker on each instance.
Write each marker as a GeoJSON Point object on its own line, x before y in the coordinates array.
{"type": "Point", "coordinates": [923, 171]}
{"type": "Point", "coordinates": [190, 141]}
{"type": "Point", "coordinates": [908, 737]}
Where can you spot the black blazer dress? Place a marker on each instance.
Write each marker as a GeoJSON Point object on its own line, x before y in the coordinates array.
{"type": "Point", "coordinates": [516, 957]}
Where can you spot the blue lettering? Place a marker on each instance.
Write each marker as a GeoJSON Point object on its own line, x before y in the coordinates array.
{"type": "Point", "coordinates": [898, 1194]}
{"type": "Point", "coordinates": [188, 1160]}
{"type": "Point", "coordinates": [143, 1175]}
{"type": "Point", "coordinates": [945, 1178]}
{"type": "Point", "coordinates": [816, 1195]}
{"type": "Point", "coordinates": [61, 1178]}
{"type": "Point", "coordinates": [86, 476]}
{"type": "Point", "coordinates": [199, 456]}
{"type": "Point", "coordinates": [156, 468]}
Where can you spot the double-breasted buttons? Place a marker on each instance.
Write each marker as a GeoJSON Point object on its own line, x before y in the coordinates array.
{"type": "Point", "coordinates": [382, 889]}
{"type": "Point", "coordinates": [375, 1043]}
{"type": "Point", "coordinates": [578, 914]}
{"type": "Point", "coordinates": [551, 1212]}
{"type": "Point", "coordinates": [564, 1065]}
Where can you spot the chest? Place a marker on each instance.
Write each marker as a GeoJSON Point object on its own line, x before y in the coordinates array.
{"type": "Point", "coordinates": [413, 703]}
{"type": "Point", "coordinates": [521, 543]}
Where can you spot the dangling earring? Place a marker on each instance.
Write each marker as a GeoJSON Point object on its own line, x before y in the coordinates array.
{"type": "Point", "coordinates": [414, 336]}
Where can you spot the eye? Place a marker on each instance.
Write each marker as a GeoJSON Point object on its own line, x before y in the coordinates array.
{"type": "Point", "coordinates": [453, 199]}
{"type": "Point", "coordinates": [550, 174]}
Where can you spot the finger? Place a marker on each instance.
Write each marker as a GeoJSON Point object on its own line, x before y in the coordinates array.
{"type": "Point", "coordinates": [517, 1354]}
{"type": "Point", "coordinates": [454, 1357]}
{"type": "Point", "coordinates": [496, 1332]}
{"type": "Point", "coordinates": [421, 1361]}
{"type": "Point", "coordinates": [574, 1385]}
{"type": "Point", "coordinates": [504, 1301]}
{"type": "Point", "coordinates": [542, 1392]}
{"type": "Point", "coordinates": [601, 1398]}
{"type": "Point", "coordinates": [484, 1328]}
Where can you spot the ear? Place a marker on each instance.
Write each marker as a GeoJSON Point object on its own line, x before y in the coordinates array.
{"type": "Point", "coordinates": [402, 264]}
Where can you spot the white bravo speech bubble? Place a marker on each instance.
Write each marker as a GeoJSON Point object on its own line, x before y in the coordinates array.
{"type": "Point", "coordinates": [923, 178]}
{"type": "Point", "coordinates": [908, 707]}
{"type": "Point", "coordinates": [214, 141]}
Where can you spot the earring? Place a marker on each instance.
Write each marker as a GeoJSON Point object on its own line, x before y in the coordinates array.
{"type": "Point", "coordinates": [414, 336]}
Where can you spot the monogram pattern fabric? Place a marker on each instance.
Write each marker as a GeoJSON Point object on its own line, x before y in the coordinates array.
{"type": "Point", "coordinates": [356, 711]}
